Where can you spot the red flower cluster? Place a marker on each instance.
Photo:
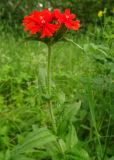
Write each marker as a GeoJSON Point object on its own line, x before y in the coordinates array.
{"type": "Point", "coordinates": [47, 23]}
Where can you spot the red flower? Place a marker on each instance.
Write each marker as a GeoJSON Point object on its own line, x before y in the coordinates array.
{"type": "Point", "coordinates": [67, 19]}
{"type": "Point", "coordinates": [40, 22]}
{"type": "Point", "coordinates": [56, 14]}
{"type": "Point", "coordinates": [46, 23]}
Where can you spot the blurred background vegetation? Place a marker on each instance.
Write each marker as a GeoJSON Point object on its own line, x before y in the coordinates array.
{"type": "Point", "coordinates": [12, 11]}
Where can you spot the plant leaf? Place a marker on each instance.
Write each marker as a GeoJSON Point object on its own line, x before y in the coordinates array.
{"type": "Point", "coordinates": [35, 139]}
{"type": "Point", "coordinates": [71, 138]}
{"type": "Point", "coordinates": [67, 117]}
{"type": "Point", "coordinates": [21, 157]}
{"type": "Point", "coordinates": [77, 153]}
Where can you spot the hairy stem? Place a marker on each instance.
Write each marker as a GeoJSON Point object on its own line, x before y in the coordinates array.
{"type": "Point", "coordinates": [49, 89]}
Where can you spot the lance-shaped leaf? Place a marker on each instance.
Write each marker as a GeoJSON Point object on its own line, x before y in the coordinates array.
{"type": "Point", "coordinates": [36, 139]}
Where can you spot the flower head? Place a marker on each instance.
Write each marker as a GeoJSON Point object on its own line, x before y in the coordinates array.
{"type": "Point", "coordinates": [67, 19]}
{"type": "Point", "coordinates": [100, 13]}
{"type": "Point", "coordinates": [112, 10]}
{"type": "Point", "coordinates": [40, 22]}
{"type": "Point", "coordinates": [45, 23]}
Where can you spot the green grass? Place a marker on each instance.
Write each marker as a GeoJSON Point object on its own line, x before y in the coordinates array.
{"type": "Point", "coordinates": [86, 76]}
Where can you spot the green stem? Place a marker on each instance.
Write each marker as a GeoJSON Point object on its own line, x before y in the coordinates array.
{"type": "Point", "coordinates": [49, 89]}
{"type": "Point", "coordinates": [49, 71]}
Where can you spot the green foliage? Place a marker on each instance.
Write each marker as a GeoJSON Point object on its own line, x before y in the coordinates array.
{"type": "Point", "coordinates": [48, 145]}
{"type": "Point", "coordinates": [82, 97]}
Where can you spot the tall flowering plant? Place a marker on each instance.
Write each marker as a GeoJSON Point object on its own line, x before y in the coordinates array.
{"type": "Point", "coordinates": [49, 27]}
{"type": "Point", "coordinates": [60, 141]}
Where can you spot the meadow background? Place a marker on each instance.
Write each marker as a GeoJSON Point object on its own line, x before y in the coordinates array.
{"type": "Point", "coordinates": [80, 75]}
